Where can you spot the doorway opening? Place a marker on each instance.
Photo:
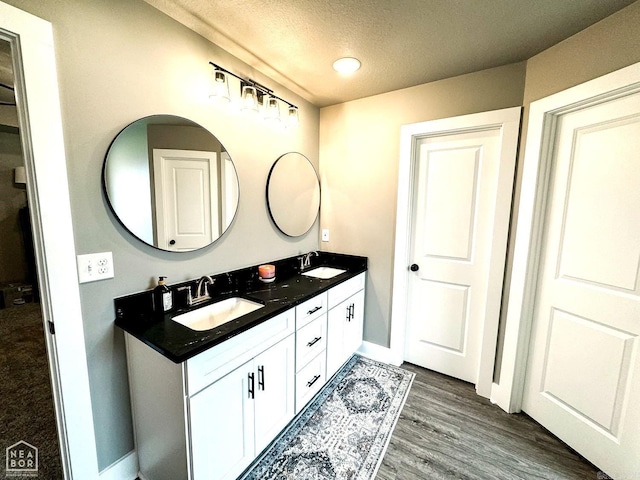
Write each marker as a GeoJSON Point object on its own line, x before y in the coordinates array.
{"type": "Point", "coordinates": [28, 413]}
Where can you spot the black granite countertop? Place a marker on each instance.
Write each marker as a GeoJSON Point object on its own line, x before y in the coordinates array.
{"type": "Point", "coordinates": [134, 313]}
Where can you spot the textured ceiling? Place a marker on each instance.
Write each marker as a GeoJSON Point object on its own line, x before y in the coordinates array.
{"type": "Point", "coordinates": [400, 43]}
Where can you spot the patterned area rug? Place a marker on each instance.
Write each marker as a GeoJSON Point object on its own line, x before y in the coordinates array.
{"type": "Point", "coordinates": [344, 432]}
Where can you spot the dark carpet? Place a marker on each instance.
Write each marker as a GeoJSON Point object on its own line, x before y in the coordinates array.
{"type": "Point", "coordinates": [27, 412]}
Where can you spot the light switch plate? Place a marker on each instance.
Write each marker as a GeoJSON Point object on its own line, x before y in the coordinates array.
{"type": "Point", "coordinates": [95, 266]}
{"type": "Point", "coordinates": [325, 234]}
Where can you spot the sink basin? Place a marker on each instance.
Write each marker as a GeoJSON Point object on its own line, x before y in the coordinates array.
{"type": "Point", "coordinates": [324, 272]}
{"type": "Point", "coordinates": [216, 314]}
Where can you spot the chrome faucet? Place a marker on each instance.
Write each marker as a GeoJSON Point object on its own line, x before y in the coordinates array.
{"type": "Point", "coordinates": [202, 294]}
{"type": "Point", "coordinates": [305, 260]}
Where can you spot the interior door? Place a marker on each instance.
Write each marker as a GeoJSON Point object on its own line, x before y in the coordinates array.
{"type": "Point", "coordinates": [583, 377]}
{"type": "Point", "coordinates": [186, 198]}
{"type": "Point", "coordinates": [462, 197]}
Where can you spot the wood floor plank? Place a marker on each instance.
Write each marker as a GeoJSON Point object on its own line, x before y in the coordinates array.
{"type": "Point", "coordinates": [446, 431]}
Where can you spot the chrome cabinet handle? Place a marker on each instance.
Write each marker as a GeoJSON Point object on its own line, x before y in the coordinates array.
{"type": "Point", "coordinates": [314, 341]}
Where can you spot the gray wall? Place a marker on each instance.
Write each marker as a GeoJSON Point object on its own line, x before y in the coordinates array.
{"type": "Point", "coordinates": [119, 60]}
{"type": "Point", "coordinates": [606, 46]}
{"type": "Point", "coordinates": [359, 148]}
{"type": "Point", "coordinates": [359, 143]}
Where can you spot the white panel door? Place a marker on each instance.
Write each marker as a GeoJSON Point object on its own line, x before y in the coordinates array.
{"type": "Point", "coordinates": [459, 230]}
{"type": "Point", "coordinates": [186, 198]}
{"type": "Point", "coordinates": [583, 378]}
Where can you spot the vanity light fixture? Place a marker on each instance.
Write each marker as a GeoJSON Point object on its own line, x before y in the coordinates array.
{"type": "Point", "coordinates": [220, 85]}
{"type": "Point", "coordinates": [249, 98]}
{"type": "Point", "coordinates": [253, 96]}
{"type": "Point", "coordinates": [272, 109]}
{"type": "Point", "coordinates": [292, 116]}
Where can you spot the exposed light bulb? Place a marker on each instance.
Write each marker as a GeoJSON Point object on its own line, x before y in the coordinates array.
{"type": "Point", "coordinates": [293, 120]}
{"type": "Point", "coordinates": [249, 98]}
{"type": "Point", "coordinates": [220, 86]}
{"type": "Point", "coordinates": [272, 109]}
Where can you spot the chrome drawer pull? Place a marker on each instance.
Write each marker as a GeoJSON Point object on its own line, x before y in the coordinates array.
{"type": "Point", "coordinates": [313, 380]}
{"type": "Point", "coordinates": [314, 341]}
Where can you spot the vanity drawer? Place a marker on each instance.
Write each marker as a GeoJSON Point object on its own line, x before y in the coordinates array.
{"type": "Point", "coordinates": [310, 380]}
{"type": "Point", "coordinates": [313, 308]}
{"type": "Point", "coordinates": [310, 341]}
{"type": "Point", "coordinates": [210, 365]}
{"type": "Point", "coordinates": [341, 292]}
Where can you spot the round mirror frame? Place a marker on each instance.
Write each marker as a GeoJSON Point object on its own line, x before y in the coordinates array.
{"type": "Point", "coordinates": [293, 194]}
{"type": "Point", "coordinates": [130, 188]}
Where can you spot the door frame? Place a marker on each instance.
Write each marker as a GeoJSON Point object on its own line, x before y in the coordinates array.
{"type": "Point", "coordinates": [507, 119]}
{"type": "Point", "coordinates": [538, 156]}
{"type": "Point", "coordinates": [42, 140]}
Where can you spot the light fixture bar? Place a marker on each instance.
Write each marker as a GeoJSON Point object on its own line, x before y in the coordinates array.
{"type": "Point", "coordinates": [262, 90]}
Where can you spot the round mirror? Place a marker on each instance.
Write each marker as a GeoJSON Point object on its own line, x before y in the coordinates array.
{"type": "Point", "coordinates": [171, 183]}
{"type": "Point", "coordinates": [293, 194]}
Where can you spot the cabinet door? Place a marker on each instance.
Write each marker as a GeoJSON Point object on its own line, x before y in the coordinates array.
{"type": "Point", "coordinates": [344, 331]}
{"type": "Point", "coordinates": [336, 321]}
{"type": "Point", "coordinates": [275, 393]}
{"type": "Point", "coordinates": [222, 427]}
{"type": "Point", "coordinates": [353, 327]}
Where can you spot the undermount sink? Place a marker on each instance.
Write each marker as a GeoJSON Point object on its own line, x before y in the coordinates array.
{"type": "Point", "coordinates": [216, 314]}
{"type": "Point", "coordinates": [324, 272]}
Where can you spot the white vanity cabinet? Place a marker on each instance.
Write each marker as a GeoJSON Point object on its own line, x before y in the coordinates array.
{"type": "Point", "coordinates": [328, 331]}
{"type": "Point", "coordinates": [345, 322]}
{"type": "Point", "coordinates": [233, 419]}
{"type": "Point", "coordinates": [208, 417]}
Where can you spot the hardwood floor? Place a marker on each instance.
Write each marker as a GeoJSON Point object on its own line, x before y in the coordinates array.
{"type": "Point", "coordinates": [446, 431]}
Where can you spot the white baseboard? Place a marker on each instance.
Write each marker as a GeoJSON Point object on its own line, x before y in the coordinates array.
{"type": "Point", "coordinates": [379, 353]}
{"type": "Point", "coordinates": [125, 468]}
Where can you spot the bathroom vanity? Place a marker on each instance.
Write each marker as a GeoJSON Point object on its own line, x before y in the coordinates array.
{"type": "Point", "coordinates": [207, 402]}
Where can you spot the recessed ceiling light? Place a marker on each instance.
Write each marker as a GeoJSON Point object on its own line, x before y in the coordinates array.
{"type": "Point", "coordinates": [346, 65]}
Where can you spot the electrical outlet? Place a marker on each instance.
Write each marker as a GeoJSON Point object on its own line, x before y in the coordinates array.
{"type": "Point", "coordinates": [95, 266]}
{"type": "Point", "coordinates": [325, 234]}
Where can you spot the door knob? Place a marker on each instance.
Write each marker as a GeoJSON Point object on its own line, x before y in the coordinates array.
{"type": "Point", "coordinates": [172, 242]}
{"type": "Point", "coordinates": [414, 267]}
